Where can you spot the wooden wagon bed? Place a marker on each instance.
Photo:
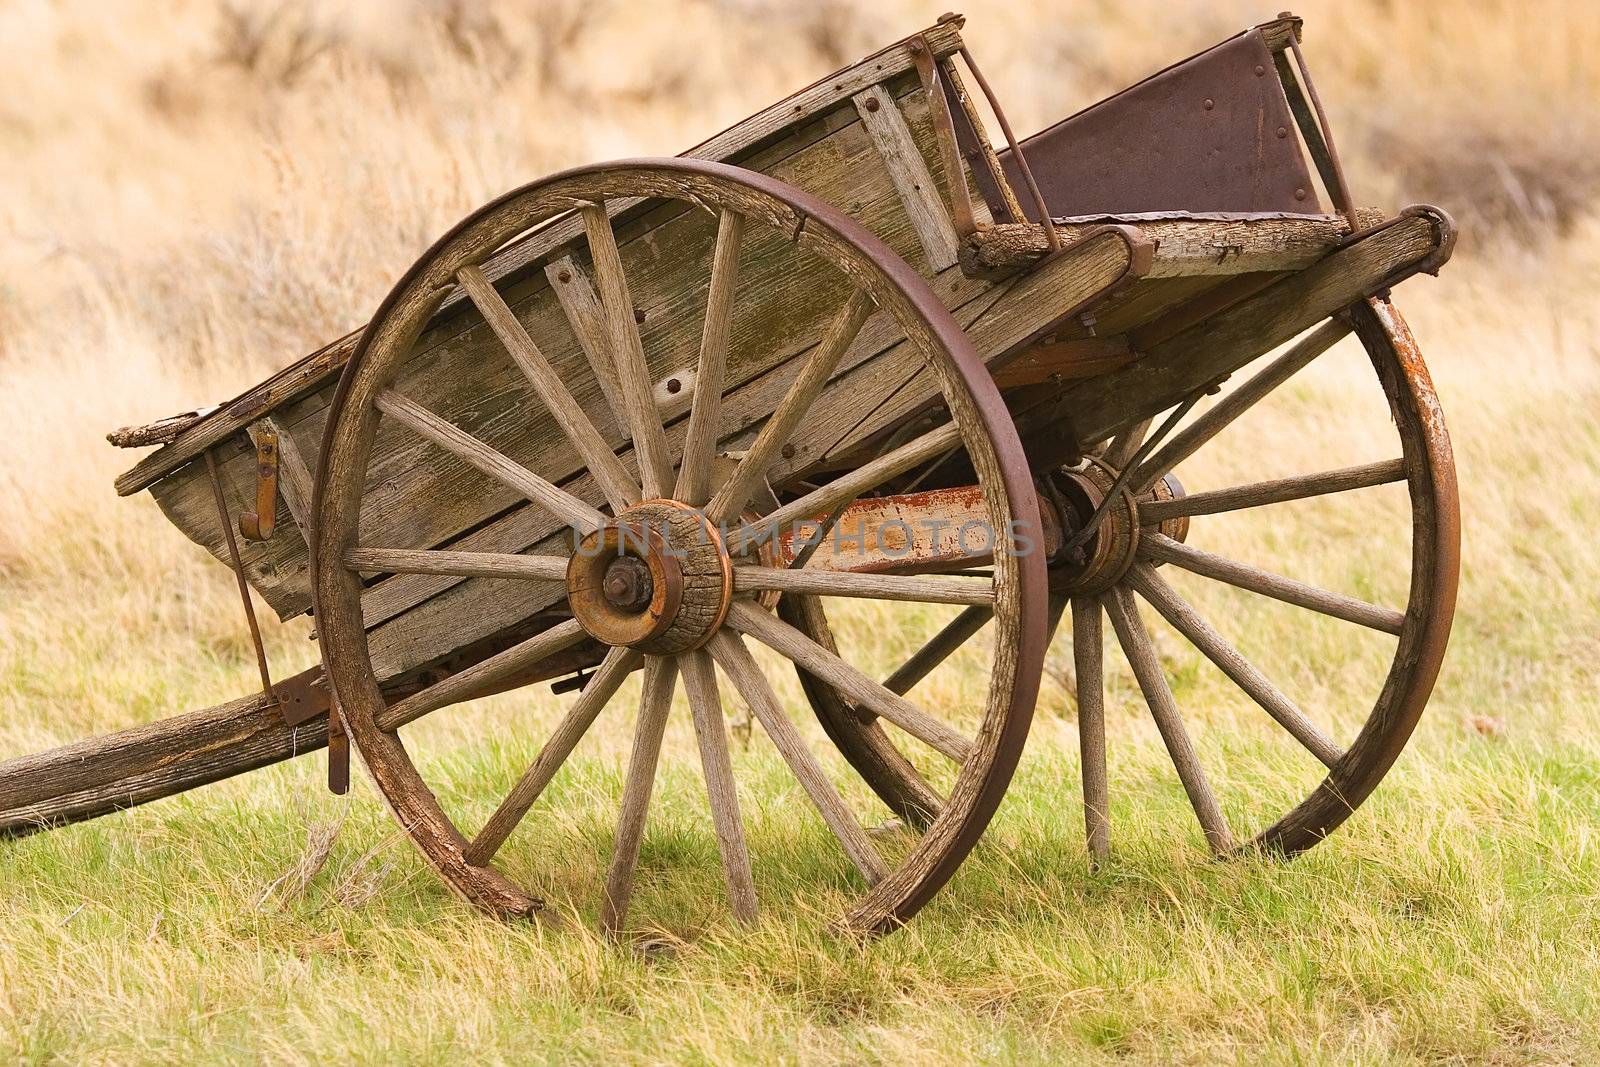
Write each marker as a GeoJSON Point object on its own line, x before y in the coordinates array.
{"type": "Point", "coordinates": [1147, 296]}
{"type": "Point", "coordinates": [849, 311]}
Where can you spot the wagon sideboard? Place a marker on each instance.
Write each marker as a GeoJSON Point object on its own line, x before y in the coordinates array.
{"type": "Point", "coordinates": [1131, 317]}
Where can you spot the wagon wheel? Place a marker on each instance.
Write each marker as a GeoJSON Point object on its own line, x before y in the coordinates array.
{"type": "Point", "coordinates": [1153, 529]}
{"type": "Point", "coordinates": [672, 610]}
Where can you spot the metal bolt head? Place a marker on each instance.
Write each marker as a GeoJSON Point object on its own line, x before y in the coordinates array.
{"type": "Point", "coordinates": [1210, 103]}
{"type": "Point", "coordinates": [1299, 194]}
{"type": "Point", "coordinates": [1283, 131]}
{"type": "Point", "coordinates": [627, 584]}
{"type": "Point", "coordinates": [788, 450]}
{"type": "Point", "coordinates": [872, 103]}
{"type": "Point", "coordinates": [638, 316]}
{"type": "Point", "coordinates": [564, 276]}
{"type": "Point", "coordinates": [1260, 70]}
{"type": "Point", "coordinates": [674, 385]}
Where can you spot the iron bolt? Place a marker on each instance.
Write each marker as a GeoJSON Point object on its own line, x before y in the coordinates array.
{"type": "Point", "coordinates": [872, 103]}
{"type": "Point", "coordinates": [674, 385]}
{"type": "Point", "coordinates": [788, 450]}
{"type": "Point", "coordinates": [564, 277]}
{"type": "Point", "coordinates": [1283, 131]}
{"type": "Point", "coordinates": [638, 316]}
{"type": "Point", "coordinates": [1299, 194]}
{"type": "Point", "coordinates": [1210, 103]}
{"type": "Point", "coordinates": [627, 584]}
{"type": "Point", "coordinates": [1260, 70]}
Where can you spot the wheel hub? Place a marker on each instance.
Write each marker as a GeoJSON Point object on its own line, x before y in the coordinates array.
{"type": "Point", "coordinates": [1112, 549]}
{"type": "Point", "coordinates": [655, 578]}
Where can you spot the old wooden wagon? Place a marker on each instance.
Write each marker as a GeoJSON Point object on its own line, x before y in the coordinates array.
{"type": "Point", "coordinates": [641, 415]}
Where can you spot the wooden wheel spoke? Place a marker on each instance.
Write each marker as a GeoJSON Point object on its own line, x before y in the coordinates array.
{"type": "Point", "coordinates": [1277, 491]}
{"type": "Point", "coordinates": [627, 352]}
{"type": "Point", "coordinates": [483, 677]}
{"type": "Point", "coordinates": [1135, 641]}
{"type": "Point", "coordinates": [829, 669]}
{"type": "Point", "coordinates": [957, 632]}
{"type": "Point", "coordinates": [700, 682]}
{"type": "Point", "coordinates": [1162, 549]}
{"type": "Point", "coordinates": [921, 588]}
{"type": "Point", "coordinates": [496, 465]}
{"type": "Point", "coordinates": [1183, 617]}
{"type": "Point", "coordinates": [1188, 441]}
{"type": "Point", "coordinates": [732, 655]}
{"type": "Point", "coordinates": [587, 320]}
{"type": "Point", "coordinates": [1088, 663]}
{"type": "Point", "coordinates": [655, 702]}
{"type": "Point", "coordinates": [456, 564]}
{"type": "Point", "coordinates": [1126, 444]}
{"type": "Point", "coordinates": [603, 685]}
{"type": "Point", "coordinates": [619, 488]}
{"type": "Point", "coordinates": [846, 487]}
{"type": "Point", "coordinates": [700, 442]}
{"type": "Point", "coordinates": [802, 394]}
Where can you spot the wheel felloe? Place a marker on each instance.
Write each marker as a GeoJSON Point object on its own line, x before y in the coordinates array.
{"type": "Point", "coordinates": [650, 572]}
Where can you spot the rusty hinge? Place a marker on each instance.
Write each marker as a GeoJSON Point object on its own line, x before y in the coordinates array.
{"type": "Point", "coordinates": [258, 525]}
{"type": "Point", "coordinates": [302, 699]}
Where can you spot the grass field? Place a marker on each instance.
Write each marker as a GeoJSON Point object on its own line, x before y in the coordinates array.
{"type": "Point", "coordinates": [195, 196]}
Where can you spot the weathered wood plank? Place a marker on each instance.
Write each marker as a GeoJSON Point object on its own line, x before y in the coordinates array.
{"type": "Point", "coordinates": [909, 171]}
{"type": "Point", "coordinates": [1191, 360]}
{"type": "Point", "coordinates": [580, 431]}
{"type": "Point", "coordinates": [1184, 246]}
{"type": "Point", "coordinates": [730, 145]}
{"type": "Point", "coordinates": [462, 375]}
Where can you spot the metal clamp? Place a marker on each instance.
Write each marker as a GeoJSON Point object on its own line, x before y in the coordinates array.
{"type": "Point", "coordinates": [258, 525]}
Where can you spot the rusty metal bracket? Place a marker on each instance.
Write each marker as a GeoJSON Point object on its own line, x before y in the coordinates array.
{"type": "Point", "coordinates": [961, 212]}
{"type": "Point", "coordinates": [303, 697]}
{"type": "Point", "coordinates": [1039, 204]}
{"type": "Point", "coordinates": [1444, 241]}
{"type": "Point", "coordinates": [1333, 174]}
{"type": "Point", "coordinates": [258, 525]}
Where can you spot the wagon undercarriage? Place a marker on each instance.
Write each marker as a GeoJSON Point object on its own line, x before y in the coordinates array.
{"type": "Point", "coordinates": [647, 415]}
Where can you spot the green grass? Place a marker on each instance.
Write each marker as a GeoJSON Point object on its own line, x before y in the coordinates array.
{"type": "Point", "coordinates": [1455, 918]}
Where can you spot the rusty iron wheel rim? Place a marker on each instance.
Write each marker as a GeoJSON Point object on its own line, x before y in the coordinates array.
{"type": "Point", "coordinates": [981, 418]}
{"type": "Point", "coordinates": [1435, 575]}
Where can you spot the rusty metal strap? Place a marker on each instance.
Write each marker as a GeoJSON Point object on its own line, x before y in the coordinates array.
{"type": "Point", "coordinates": [306, 695]}
{"type": "Point", "coordinates": [1339, 187]}
{"type": "Point", "coordinates": [1444, 241]}
{"type": "Point", "coordinates": [226, 522]}
{"type": "Point", "coordinates": [1016, 152]}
